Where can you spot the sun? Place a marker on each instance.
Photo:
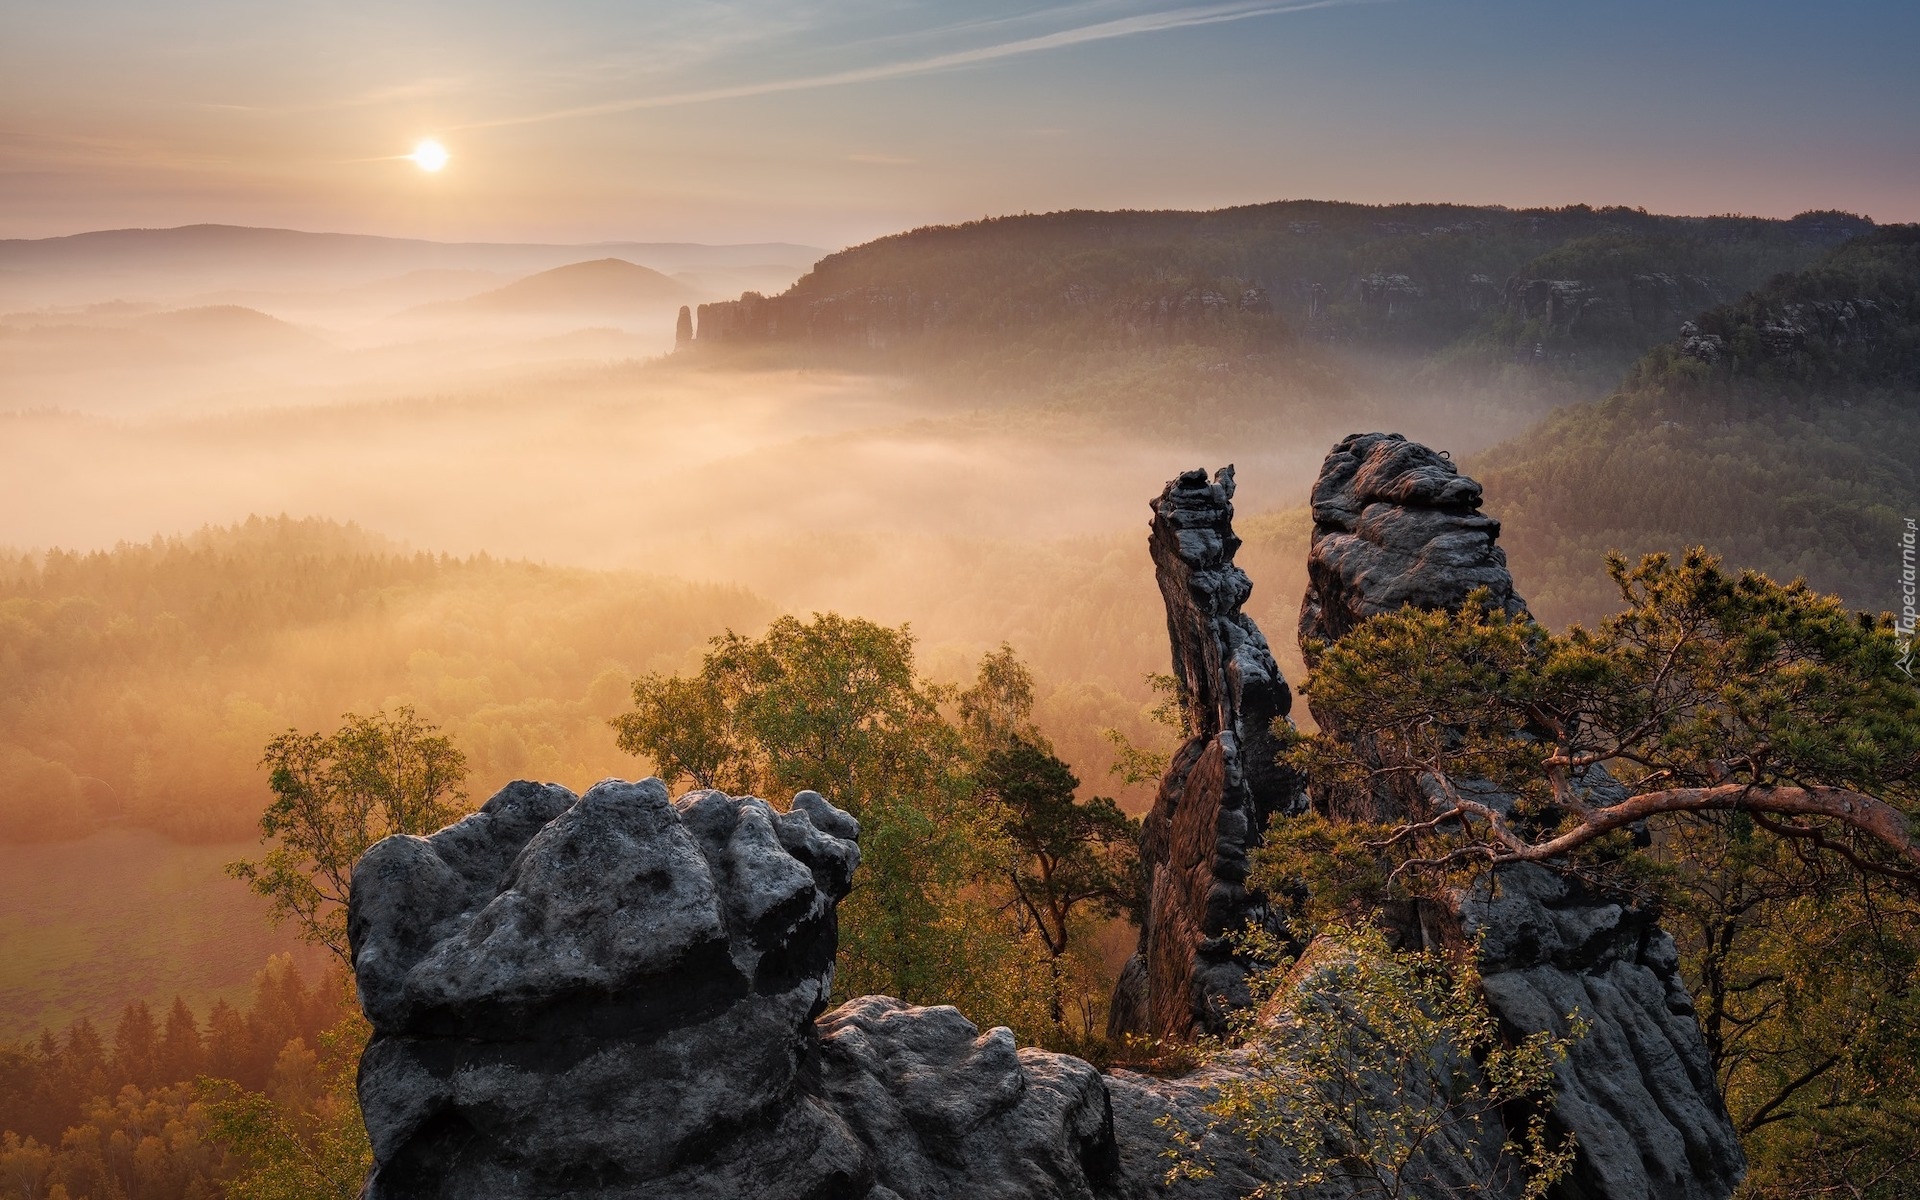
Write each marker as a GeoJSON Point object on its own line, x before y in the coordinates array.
{"type": "Point", "coordinates": [429, 155]}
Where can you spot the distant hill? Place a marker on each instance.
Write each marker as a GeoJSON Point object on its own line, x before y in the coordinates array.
{"type": "Point", "coordinates": [1559, 282]}
{"type": "Point", "coordinates": [196, 245]}
{"type": "Point", "coordinates": [1778, 430]}
{"type": "Point", "coordinates": [1278, 314]}
{"type": "Point", "coordinates": [125, 339]}
{"type": "Point", "coordinates": [602, 285]}
{"type": "Point", "coordinates": [230, 324]}
{"type": "Point", "coordinates": [200, 258]}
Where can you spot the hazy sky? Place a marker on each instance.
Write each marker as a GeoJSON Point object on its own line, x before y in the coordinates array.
{"type": "Point", "coordinates": [830, 121]}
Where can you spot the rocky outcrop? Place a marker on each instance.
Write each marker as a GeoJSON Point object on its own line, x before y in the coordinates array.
{"type": "Point", "coordinates": [683, 328]}
{"type": "Point", "coordinates": [1223, 783]}
{"type": "Point", "coordinates": [620, 996]}
{"type": "Point", "coordinates": [1638, 1089]}
{"type": "Point", "coordinates": [1558, 303]}
{"type": "Point", "coordinates": [867, 316]}
{"type": "Point", "coordinates": [1390, 295]}
{"type": "Point", "coordinates": [616, 995]}
{"type": "Point", "coordinates": [1396, 524]}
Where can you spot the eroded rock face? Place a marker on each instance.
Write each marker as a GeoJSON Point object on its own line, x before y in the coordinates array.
{"type": "Point", "coordinates": [1224, 782]}
{"type": "Point", "coordinates": [1638, 1089]}
{"type": "Point", "coordinates": [1396, 524]}
{"type": "Point", "coordinates": [615, 995]}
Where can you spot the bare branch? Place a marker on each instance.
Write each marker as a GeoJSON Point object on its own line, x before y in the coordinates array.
{"type": "Point", "coordinates": [1864, 814]}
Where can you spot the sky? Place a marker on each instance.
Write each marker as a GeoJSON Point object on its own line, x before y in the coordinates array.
{"type": "Point", "coordinates": [829, 123]}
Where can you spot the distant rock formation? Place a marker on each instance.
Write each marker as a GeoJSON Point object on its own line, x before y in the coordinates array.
{"type": "Point", "coordinates": [1223, 783]}
{"type": "Point", "coordinates": [615, 995]}
{"type": "Point", "coordinates": [683, 328]}
{"type": "Point", "coordinates": [1389, 295]}
{"type": "Point", "coordinates": [1661, 300]}
{"type": "Point", "coordinates": [867, 316]}
{"type": "Point", "coordinates": [1558, 303]}
{"type": "Point", "coordinates": [1396, 524]}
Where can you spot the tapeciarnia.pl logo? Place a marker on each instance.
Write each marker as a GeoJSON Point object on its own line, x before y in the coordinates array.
{"type": "Point", "coordinates": [1904, 625]}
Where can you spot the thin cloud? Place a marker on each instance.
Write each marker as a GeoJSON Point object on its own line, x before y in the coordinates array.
{"type": "Point", "coordinates": [1155, 22]}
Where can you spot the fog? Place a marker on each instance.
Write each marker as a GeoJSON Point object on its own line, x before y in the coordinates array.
{"type": "Point", "coordinates": [459, 408]}
{"type": "Point", "coordinates": [539, 411]}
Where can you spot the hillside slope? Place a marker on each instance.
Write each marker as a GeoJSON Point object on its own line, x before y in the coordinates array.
{"type": "Point", "coordinates": [602, 285]}
{"type": "Point", "coordinates": [1778, 430]}
{"type": "Point", "coordinates": [1416, 277]}
{"type": "Point", "coordinates": [138, 687]}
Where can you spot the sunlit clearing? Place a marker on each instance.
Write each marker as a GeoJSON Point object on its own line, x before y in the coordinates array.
{"type": "Point", "coordinates": [429, 155]}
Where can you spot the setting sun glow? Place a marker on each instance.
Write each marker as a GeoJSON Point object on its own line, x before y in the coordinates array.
{"type": "Point", "coordinates": [429, 155]}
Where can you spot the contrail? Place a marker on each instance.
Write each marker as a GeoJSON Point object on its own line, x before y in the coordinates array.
{"type": "Point", "coordinates": [1158, 22]}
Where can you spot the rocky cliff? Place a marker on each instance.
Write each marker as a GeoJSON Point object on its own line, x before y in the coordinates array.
{"type": "Point", "coordinates": [1396, 524]}
{"type": "Point", "coordinates": [619, 995]}
{"type": "Point", "coordinates": [1223, 784]}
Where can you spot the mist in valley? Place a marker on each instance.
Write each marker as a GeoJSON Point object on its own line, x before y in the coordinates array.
{"type": "Point", "coordinates": [615, 503]}
{"type": "Point", "coordinates": [253, 480]}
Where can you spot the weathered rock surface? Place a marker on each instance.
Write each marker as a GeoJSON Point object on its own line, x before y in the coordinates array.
{"type": "Point", "coordinates": [1396, 524]}
{"type": "Point", "coordinates": [1224, 782]}
{"type": "Point", "coordinates": [1638, 1089]}
{"type": "Point", "coordinates": [615, 995]}
{"type": "Point", "coordinates": [1559, 303]}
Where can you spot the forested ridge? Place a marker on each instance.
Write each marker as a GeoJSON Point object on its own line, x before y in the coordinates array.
{"type": "Point", "coordinates": [1272, 312]}
{"type": "Point", "coordinates": [1778, 429]}
{"type": "Point", "coordinates": [139, 684]}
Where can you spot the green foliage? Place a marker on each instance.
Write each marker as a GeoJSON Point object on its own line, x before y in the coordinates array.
{"type": "Point", "coordinates": [121, 1116]}
{"type": "Point", "coordinates": [1789, 448]}
{"type": "Point", "coordinates": [1380, 1069]}
{"type": "Point", "coordinates": [835, 705]}
{"type": "Point", "coordinates": [1070, 859]}
{"type": "Point", "coordinates": [1806, 978]}
{"type": "Point", "coordinates": [684, 725]}
{"type": "Point", "coordinates": [1138, 764]}
{"type": "Point", "coordinates": [334, 795]}
{"type": "Point", "coordinates": [302, 1139]}
{"type": "Point", "coordinates": [1702, 681]}
{"type": "Point", "coordinates": [997, 711]}
{"type": "Point", "coordinates": [1798, 928]}
{"type": "Point", "coordinates": [1330, 872]}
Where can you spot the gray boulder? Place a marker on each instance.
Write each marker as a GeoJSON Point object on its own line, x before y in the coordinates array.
{"type": "Point", "coordinates": [615, 995]}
